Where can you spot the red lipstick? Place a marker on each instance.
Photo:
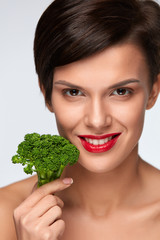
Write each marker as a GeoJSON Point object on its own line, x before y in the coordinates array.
{"type": "Point", "coordinates": [89, 144]}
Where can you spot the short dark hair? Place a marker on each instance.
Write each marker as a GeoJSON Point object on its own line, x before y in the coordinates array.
{"type": "Point", "coordinates": [71, 30]}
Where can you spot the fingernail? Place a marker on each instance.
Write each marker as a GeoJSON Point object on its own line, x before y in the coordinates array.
{"type": "Point", "coordinates": [67, 181]}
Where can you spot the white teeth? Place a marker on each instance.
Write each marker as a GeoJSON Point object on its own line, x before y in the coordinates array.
{"type": "Point", "coordinates": [95, 142]}
{"type": "Point", "coordinates": [90, 140]}
{"type": "Point", "coordinates": [98, 141]}
{"type": "Point", "coordinates": [102, 141]}
{"type": "Point", "coordinates": [106, 140]}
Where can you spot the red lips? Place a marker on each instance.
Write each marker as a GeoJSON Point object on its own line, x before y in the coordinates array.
{"type": "Point", "coordinates": [102, 147]}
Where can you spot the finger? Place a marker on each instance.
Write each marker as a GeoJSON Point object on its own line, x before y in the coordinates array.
{"type": "Point", "coordinates": [49, 188]}
{"type": "Point", "coordinates": [52, 215]}
{"type": "Point", "coordinates": [57, 228]}
{"type": "Point", "coordinates": [45, 204]}
{"type": "Point", "coordinates": [35, 187]}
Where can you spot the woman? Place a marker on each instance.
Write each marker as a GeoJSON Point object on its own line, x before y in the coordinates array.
{"type": "Point", "coordinates": [98, 64]}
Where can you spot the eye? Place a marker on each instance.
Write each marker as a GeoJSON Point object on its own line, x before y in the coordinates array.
{"type": "Point", "coordinates": [72, 92]}
{"type": "Point", "coordinates": [122, 92]}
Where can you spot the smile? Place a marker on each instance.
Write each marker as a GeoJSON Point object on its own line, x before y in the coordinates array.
{"type": "Point", "coordinates": [99, 144]}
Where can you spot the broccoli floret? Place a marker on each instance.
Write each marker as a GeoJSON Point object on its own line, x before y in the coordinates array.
{"type": "Point", "coordinates": [47, 155]}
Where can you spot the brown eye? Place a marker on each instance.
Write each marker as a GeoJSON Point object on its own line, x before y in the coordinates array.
{"type": "Point", "coordinates": [121, 92]}
{"type": "Point", "coordinates": [73, 92]}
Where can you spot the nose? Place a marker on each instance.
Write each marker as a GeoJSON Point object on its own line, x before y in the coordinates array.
{"type": "Point", "coordinates": [97, 115]}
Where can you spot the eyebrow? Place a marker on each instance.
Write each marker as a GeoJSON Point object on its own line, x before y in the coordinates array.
{"type": "Point", "coordinates": [125, 82]}
{"type": "Point", "coordinates": [63, 82]}
{"type": "Point", "coordinates": [119, 84]}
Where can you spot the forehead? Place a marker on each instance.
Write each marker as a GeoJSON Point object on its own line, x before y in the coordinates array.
{"type": "Point", "coordinates": [114, 63]}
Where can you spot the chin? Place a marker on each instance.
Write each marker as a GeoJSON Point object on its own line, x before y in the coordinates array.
{"type": "Point", "coordinates": [99, 166]}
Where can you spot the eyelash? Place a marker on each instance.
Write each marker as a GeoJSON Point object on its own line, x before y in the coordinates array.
{"type": "Point", "coordinates": [67, 92]}
{"type": "Point", "coordinates": [129, 92]}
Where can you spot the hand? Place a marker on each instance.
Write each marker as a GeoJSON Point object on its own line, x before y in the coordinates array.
{"type": "Point", "coordinates": [39, 216]}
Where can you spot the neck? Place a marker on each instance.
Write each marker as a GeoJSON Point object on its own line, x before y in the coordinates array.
{"type": "Point", "coordinates": [103, 192]}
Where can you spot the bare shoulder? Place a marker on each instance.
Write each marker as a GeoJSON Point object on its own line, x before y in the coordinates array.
{"type": "Point", "coordinates": [16, 192]}
{"type": "Point", "coordinates": [11, 197]}
{"type": "Point", "coordinates": [151, 183]}
{"type": "Point", "coordinates": [151, 176]}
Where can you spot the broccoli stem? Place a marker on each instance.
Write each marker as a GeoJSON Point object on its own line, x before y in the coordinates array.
{"type": "Point", "coordinates": [60, 171]}
{"type": "Point", "coordinates": [46, 177]}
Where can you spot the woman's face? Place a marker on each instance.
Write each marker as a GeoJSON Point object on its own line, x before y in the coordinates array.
{"type": "Point", "coordinates": [99, 105]}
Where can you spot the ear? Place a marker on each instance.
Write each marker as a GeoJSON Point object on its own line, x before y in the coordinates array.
{"type": "Point", "coordinates": [154, 93]}
{"type": "Point", "coordinates": [48, 105]}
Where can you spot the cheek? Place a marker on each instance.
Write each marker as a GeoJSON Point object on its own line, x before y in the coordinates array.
{"type": "Point", "coordinates": [131, 115]}
{"type": "Point", "coordinates": [68, 116]}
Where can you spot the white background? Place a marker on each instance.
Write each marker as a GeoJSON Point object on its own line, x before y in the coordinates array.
{"type": "Point", "coordinates": [22, 108]}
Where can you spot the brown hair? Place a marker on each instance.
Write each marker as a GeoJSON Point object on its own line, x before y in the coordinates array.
{"type": "Point", "coordinates": [72, 30]}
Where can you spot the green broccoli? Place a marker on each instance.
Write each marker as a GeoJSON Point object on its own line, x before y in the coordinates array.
{"type": "Point", "coordinates": [45, 154]}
